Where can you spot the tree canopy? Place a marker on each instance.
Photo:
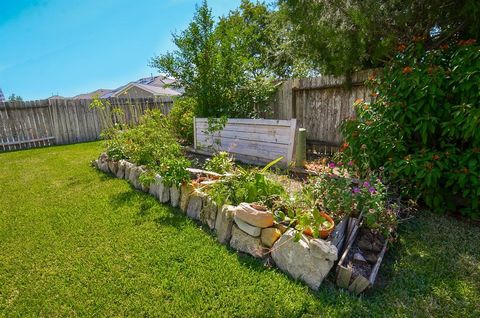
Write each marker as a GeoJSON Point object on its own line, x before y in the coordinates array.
{"type": "Point", "coordinates": [340, 36]}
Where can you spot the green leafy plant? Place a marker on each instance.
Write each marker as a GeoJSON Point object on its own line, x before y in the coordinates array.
{"type": "Point", "coordinates": [153, 144]}
{"type": "Point", "coordinates": [422, 127]}
{"type": "Point", "coordinates": [181, 118]}
{"type": "Point", "coordinates": [221, 162]}
{"type": "Point", "coordinates": [174, 171]}
{"type": "Point", "coordinates": [246, 185]}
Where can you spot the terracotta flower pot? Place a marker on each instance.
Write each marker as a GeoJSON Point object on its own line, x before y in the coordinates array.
{"type": "Point", "coordinates": [324, 233]}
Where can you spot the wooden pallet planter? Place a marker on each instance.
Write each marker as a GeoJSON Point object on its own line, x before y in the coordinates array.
{"type": "Point", "coordinates": [346, 276]}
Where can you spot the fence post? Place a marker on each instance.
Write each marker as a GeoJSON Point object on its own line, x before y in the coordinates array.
{"type": "Point", "coordinates": [300, 150]}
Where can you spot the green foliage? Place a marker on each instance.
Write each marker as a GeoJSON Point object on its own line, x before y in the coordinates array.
{"type": "Point", "coordinates": [343, 196]}
{"type": "Point", "coordinates": [174, 171]}
{"type": "Point", "coordinates": [181, 118]}
{"type": "Point", "coordinates": [15, 98]}
{"type": "Point", "coordinates": [423, 127]}
{"type": "Point", "coordinates": [221, 162]}
{"type": "Point", "coordinates": [153, 144]}
{"type": "Point", "coordinates": [342, 36]}
{"type": "Point", "coordinates": [245, 185]}
{"type": "Point", "coordinates": [338, 195]}
{"type": "Point", "coordinates": [109, 115]}
{"type": "Point", "coordinates": [230, 67]}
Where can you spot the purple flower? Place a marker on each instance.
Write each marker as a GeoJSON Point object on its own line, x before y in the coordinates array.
{"type": "Point", "coordinates": [366, 184]}
{"type": "Point", "coordinates": [340, 163]}
{"type": "Point", "coordinates": [372, 190]}
{"type": "Point", "coordinates": [350, 163]}
{"type": "Point", "coordinates": [356, 190]}
{"type": "Point", "coordinates": [331, 165]}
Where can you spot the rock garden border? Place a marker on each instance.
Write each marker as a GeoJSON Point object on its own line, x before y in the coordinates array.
{"type": "Point", "coordinates": [244, 228]}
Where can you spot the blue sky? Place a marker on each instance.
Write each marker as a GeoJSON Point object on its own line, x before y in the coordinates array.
{"type": "Point", "coordinates": [71, 47]}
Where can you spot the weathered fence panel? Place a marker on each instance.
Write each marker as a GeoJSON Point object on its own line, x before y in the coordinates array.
{"type": "Point", "coordinates": [249, 140]}
{"type": "Point", "coordinates": [320, 104]}
{"type": "Point", "coordinates": [47, 122]}
{"type": "Point", "coordinates": [25, 125]}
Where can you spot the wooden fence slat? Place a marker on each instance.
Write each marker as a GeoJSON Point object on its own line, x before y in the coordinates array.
{"type": "Point", "coordinates": [320, 104]}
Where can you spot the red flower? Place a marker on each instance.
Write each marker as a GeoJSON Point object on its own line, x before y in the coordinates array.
{"type": "Point", "coordinates": [344, 146]}
{"type": "Point", "coordinates": [407, 69]}
{"type": "Point", "coordinates": [358, 101]}
{"type": "Point", "coordinates": [401, 47]}
{"type": "Point", "coordinates": [467, 42]}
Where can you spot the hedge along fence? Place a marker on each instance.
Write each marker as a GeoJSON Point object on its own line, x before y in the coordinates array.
{"type": "Point", "coordinates": [48, 122]}
{"type": "Point", "coordinates": [257, 141]}
{"type": "Point", "coordinates": [308, 260]}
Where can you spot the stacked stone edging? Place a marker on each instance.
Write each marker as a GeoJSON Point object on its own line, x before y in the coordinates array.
{"type": "Point", "coordinates": [242, 227]}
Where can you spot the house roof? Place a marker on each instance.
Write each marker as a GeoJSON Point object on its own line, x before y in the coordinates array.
{"type": "Point", "coordinates": [155, 90]}
{"type": "Point", "coordinates": [57, 97]}
{"type": "Point", "coordinates": [160, 85]}
{"type": "Point", "coordinates": [98, 92]}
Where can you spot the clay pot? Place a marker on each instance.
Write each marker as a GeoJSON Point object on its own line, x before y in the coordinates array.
{"type": "Point", "coordinates": [324, 233]}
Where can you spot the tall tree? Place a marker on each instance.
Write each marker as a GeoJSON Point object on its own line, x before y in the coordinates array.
{"type": "Point", "coordinates": [194, 63]}
{"type": "Point", "coordinates": [340, 36]}
{"type": "Point", "coordinates": [230, 66]}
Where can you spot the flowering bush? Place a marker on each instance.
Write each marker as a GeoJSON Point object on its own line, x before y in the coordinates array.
{"type": "Point", "coordinates": [422, 128]}
{"type": "Point", "coordinates": [340, 195]}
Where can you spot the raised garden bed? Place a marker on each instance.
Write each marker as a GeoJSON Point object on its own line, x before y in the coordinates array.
{"type": "Point", "coordinates": [246, 228]}
{"type": "Point", "coordinates": [358, 266]}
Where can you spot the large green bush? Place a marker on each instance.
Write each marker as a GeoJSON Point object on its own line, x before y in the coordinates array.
{"type": "Point", "coordinates": [424, 126]}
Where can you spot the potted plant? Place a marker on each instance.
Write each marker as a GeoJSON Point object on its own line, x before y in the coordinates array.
{"type": "Point", "coordinates": [320, 224]}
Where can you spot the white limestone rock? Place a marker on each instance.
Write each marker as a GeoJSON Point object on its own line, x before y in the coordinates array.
{"type": "Point", "coordinates": [208, 215]}
{"type": "Point", "coordinates": [247, 228]}
{"type": "Point", "coordinates": [224, 223]}
{"type": "Point", "coordinates": [174, 196]}
{"type": "Point", "coordinates": [246, 243]}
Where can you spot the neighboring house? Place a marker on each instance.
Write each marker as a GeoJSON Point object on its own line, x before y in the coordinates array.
{"type": "Point", "coordinates": [2, 97]}
{"type": "Point", "coordinates": [56, 97]}
{"type": "Point", "coordinates": [154, 86]}
{"type": "Point", "coordinates": [91, 95]}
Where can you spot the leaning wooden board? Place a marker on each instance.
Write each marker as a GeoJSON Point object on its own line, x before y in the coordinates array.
{"type": "Point", "coordinates": [256, 141]}
{"type": "Point", "coordinates": [344, 274]}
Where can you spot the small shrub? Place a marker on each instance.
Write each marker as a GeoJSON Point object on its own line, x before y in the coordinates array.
{"type": "Point", "coordinates": [153, 144]}
{"type": "Point", "coordinates": [221, 162]}
{"type": "Point", "coordinates": [181, 118]}
{"type": "Point", "coordinates": [246, 185]}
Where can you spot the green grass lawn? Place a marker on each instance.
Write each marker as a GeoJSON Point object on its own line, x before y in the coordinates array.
{"type": "Point", "coordinates": [75, 242]}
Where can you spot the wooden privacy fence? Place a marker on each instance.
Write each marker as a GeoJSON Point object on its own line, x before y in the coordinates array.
{"type": "Point", "coordinates": [320, 104]}
{"type": "Point", "coordinates": [249, 140]}
{"type": "Point", "coordinates": [47, 122]}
